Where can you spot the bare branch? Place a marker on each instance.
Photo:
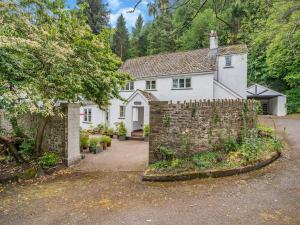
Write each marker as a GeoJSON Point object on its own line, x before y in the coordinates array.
{"type": "Point", "coordinates": [135, 6]}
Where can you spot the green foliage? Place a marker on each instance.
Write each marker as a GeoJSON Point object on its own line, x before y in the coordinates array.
{"type": "Point", "coordinates": [146, 130]}
{"type": "Point", "coordinates": [293, 103]}
{"type": "Point", "coordinates": [120, 42]}
{"type": "Point", "coordinates": [55, 58]}
{"type": "Point", "coordinates": [138, 40]}
{"type": "Point", "coordinates": [273, 144]}
{"type": "Point", "coordinates": [265, 129]}
{"type": "Point", "coordinates": [230, 144]}
{"type": "Point", "coordinates": [166, 153]}
{"type": "Point", "coordinates": [97, 14]}
{"type": "Point", "coordinates": [160, 165]}
{"type": "Point", "coordinates": [49, 159]}
{"type": "Point", "coordinates": [110, 131]}
{"type": "Point", "coordinates": [122, 131]}
{"type": "Point", "coordinates": [250, 148]}
{"type": "Point", "coordinates": [84, 139]}
{"type": "Point", "coordinates": [186, 143]}
{"type": "Point", "coordinates": [93, 142]}
{"type": "Point", "coordinates": [166, 120]}
{"type": "Point", "coordinates": [206, 159]}
{"type": "Point", "coordinates": [105, 139]}
{"type": "Point", "coordinates": [27, 147]}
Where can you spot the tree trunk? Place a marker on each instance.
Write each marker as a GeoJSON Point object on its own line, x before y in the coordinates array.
{"type": "Point", "coordinates": [40, 134]}
{"type": "Point", "coordinates": [12, 149]}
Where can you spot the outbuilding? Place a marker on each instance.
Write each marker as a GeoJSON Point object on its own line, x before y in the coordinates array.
{"type": "Point", "coordinates": [272, 102]}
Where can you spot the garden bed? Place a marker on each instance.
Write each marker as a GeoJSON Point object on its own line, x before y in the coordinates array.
{"type": "Point", "coordinates": [152, 175]}
{"type": "Point", "coordinates": [254, 151]}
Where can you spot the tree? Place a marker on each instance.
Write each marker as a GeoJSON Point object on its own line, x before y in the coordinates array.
{"type": "Point", "coordinates": [160, 35]}
{"type": "Point", "coordinates": [97, 14]}
{"type": "Point", "coordinates": [48, 54]}
{"type": "Point", "coordinates": [138, 42]}
{"type": "Point", "coordinates": [120, 42]}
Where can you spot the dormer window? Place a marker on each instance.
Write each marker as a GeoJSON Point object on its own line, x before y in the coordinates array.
{"type": "Point", "coordinates": [151, 85]}
{"type": "Point", "coordinates": [128, 87]}
{"type": "Point", "coordinates": [228, 61]}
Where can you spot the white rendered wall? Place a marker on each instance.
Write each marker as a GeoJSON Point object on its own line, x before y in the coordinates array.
{"type": "Point", "coordinates": [278, 106]}
{"type": "Point", "coordinates": [234, 77]}
{"type": "Point", "coordinates": [221, 93]}
{"type": "Point", "coordinates": [98, 117]}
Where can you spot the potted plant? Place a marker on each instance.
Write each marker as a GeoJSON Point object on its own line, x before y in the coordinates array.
{"type": "Point", "coordinates": [110, 132]}
{"type": "Point", "coordinates": [106, 140]}
{"type": "Point", "coordinates": [93, 144]}
{"type": "Point", "coordinates": [84, 141]}
{"type": "Point", "coordinates": [122, 132]}
{"type": "Point", "coordinates": [105, 130]}
{"type": "Point", "coordinates": [146, 131]}
{"type": "Point", "coordinates": [99, 148]}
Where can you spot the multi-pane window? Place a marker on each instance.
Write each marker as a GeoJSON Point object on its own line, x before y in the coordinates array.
{"type": "Point", "coordinates": [87, 115]}
{"type": "Point", "coordinates": [150, 85]}
{"type": "Point", "coordinates": [128, 87]}
{"type": "Point", "coordinates": [122, 111]}
{"type": "Point", "coordinates": [227, 60]}
{"type": "Point", "coordinates": [181, 83]}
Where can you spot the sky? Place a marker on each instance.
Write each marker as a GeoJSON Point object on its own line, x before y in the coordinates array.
{"type": "Point", "coordinates": [117, 7]}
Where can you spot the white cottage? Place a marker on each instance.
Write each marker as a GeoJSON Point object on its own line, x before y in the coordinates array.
{"type": "Point", "coordinates": [208, 73]}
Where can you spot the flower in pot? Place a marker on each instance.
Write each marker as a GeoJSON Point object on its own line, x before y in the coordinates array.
{"type": "Point", "coordinates": [146, 131]}
{"type": "Point", "coordinates": [122, 131]}
{"type": "Point", "coordinates": [93, 144]}
{"type": "Point", "coordinates": [84, 140]}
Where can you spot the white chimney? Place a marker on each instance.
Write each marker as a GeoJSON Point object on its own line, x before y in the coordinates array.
{"type": "Point", "coordinates": [213, 43]}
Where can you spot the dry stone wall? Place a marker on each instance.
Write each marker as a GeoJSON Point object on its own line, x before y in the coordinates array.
{"type": "Point", "coordinates": [61, 133]}
{"type": "Point", "coordinates": [199, 125]}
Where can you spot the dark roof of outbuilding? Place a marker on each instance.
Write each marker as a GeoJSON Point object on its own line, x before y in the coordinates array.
{"type": "Point", "coordinates": [194, 61]}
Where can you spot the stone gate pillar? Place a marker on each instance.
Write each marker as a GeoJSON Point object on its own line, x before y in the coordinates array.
{"type": "Point", "coordinates": [72, 133]}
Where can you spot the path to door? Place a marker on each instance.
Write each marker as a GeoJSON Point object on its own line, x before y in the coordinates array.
{"type": "Point", "coordinates": [127, 155]}
{"type": "Point", "coordinates": [269, 196]}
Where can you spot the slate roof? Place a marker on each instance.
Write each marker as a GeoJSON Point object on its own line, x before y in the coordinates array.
{"type": "Point", "coordinates": [194, 61]}
{"type": "Point", "coordinates": [149, 96]}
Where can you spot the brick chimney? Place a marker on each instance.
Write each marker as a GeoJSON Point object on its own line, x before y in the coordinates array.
{"type": "Point", "coordinates": [213, 43]}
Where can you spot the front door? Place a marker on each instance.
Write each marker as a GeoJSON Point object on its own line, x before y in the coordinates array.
{"type": "Point", "coordinates": [137, 118]}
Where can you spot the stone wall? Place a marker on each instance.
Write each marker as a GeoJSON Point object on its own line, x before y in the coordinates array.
{"type": "Point", "coordinates": [61, 133]}
{"type": "Point", "coordinates": [199, 125]}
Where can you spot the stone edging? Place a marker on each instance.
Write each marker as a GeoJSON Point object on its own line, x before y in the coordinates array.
{"type": "Point", "coordinates": [209, 173]}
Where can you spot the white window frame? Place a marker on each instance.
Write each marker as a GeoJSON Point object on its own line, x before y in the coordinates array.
{"type": "Point", "coordinates": [128, 87]}
{"type": "Point", "coordinates": [181, 83]}
{"type": "Point", "coordinates": [228, 61]}
{"type": "Point", "coordinates": [122, 111]}
{"type": "Point", "coordinates": [151, 86]}
{"type": "Point", "coordinates": [87, 117]}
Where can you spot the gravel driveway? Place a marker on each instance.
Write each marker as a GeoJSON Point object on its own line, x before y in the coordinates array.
{"type": "Point", "coordinates": [267, 196]}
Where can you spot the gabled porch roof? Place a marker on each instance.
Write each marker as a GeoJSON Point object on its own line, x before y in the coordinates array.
{"type": "Point", "coordinates": [147, 96]}
{"type": "Point", "coordinates": [259, 91]}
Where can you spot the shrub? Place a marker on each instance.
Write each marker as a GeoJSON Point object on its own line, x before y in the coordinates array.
{"type": "Point", "coordinates": [105, 139]}
{"type": "Point", "coordinates": [49, 159]}
{"type": "Point", "coordinates": [250, 148]}
{"type": "Point", "coordinates": [265, 129]}
{"type": "Point", "coordinates": [26, 147]}
{"type": "Point", "coordinates": [230, 144]}
{"type": "Point", "coordinates": [122, 129]}
{"type": "Point", "coordinates": [84, 139]}
{"type": "Point", "coordinates": [166, 153]}
{"type": "Point", "coordinates": [146, 130]}
{"type": "Point", "coordinates": [273, 144]}
{"type": "Point", "coordinates": [93, 142]}
{"type": "Point", "coordinates": [160, 165]}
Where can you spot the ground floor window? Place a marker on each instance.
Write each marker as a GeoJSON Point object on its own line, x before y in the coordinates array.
{"type": "Point", "coordinates": [265, 108]}
{"type": "Point", "coordinates": [87, 115]}
{"type": "Point", "coordinates": [122, 111]}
